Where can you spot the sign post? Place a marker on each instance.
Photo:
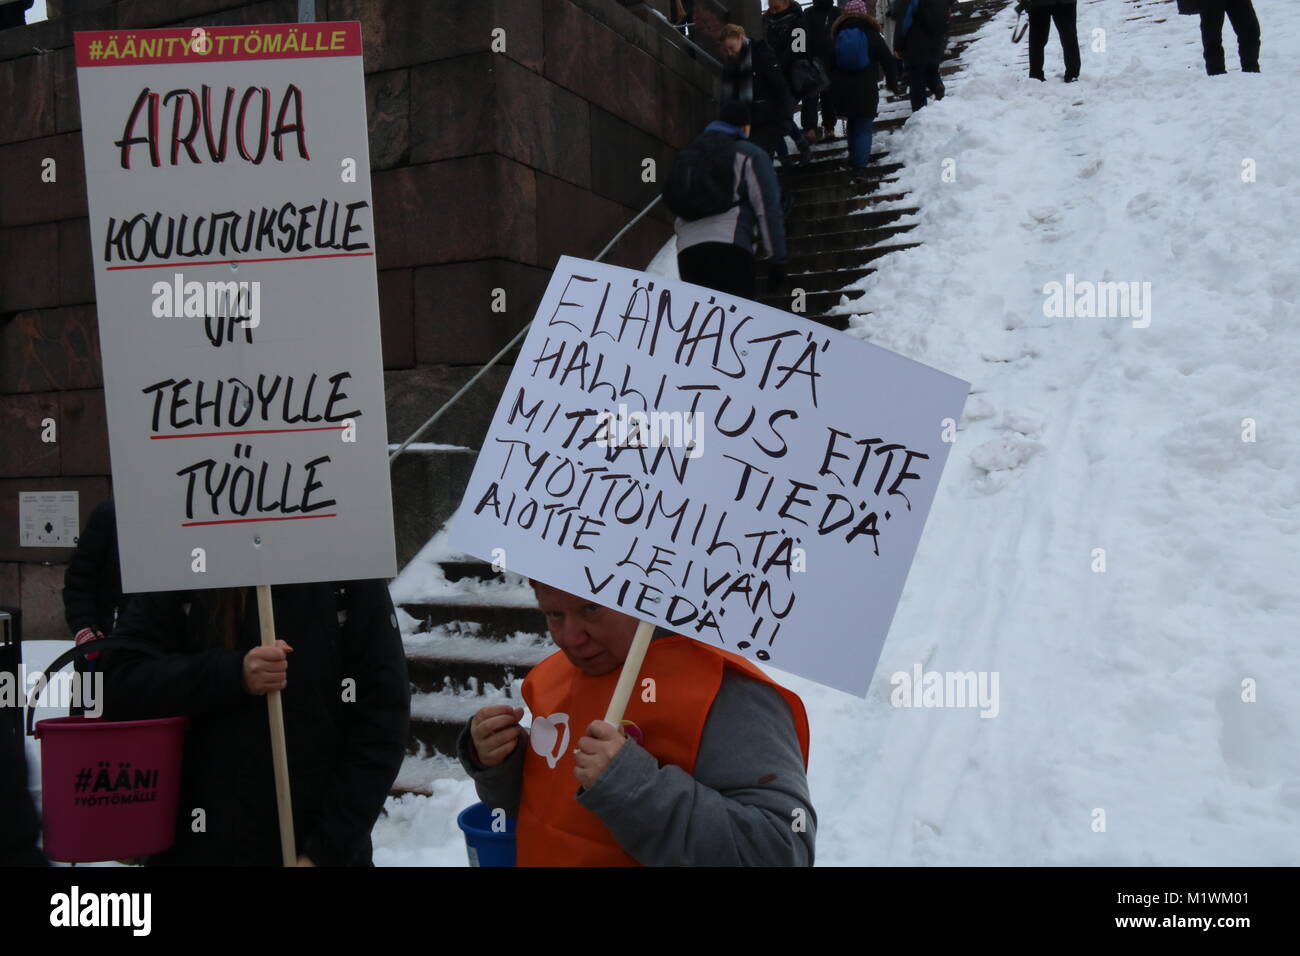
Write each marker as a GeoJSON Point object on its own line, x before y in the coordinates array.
{"type": "Point", "coordinates": [233, 239]}
{"type": "Point", "coordinates": [737, 474]}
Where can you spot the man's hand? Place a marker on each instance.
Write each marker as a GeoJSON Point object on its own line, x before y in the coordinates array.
{"type": "Point", "coordinates": [595, 751]}
{"type": "Point", "coordinates": [266, 669]}
{"type": "Point", "coordinates": [494, 732]}
{"type": "Point", "coordinates": [89, 634]}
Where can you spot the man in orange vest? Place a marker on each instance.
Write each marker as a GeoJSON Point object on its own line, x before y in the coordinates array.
{"type": "Point", "coordinates": [709, 768]}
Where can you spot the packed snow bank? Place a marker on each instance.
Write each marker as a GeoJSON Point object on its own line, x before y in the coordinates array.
{"type": "Point", "coordinates": [1120, 692]}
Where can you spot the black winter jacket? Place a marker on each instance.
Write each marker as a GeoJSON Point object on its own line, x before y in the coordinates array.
{"type": "Point", "coordinates": [927, 38]}
{"type": "Point", "coordinates": [778, 31]}
{"type": "Point", "coordinates": [857, 93]}
{"type": "Point", "coordinates": [754, 77]}
{"type": "Point", "coordinates": [818, 19]}
{"type": "Point", "coordinates": [92, 585]}
{"type": "Point", "coordinates": [343, 754]}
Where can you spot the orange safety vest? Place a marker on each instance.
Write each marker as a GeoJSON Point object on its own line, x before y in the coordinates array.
{"type": "Point", "coordinates": [553, 829]}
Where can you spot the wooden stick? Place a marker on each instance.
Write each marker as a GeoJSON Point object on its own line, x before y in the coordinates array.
{"type": "Point", "coordinates": [279, 753]}
{"type": "Point", "coordinates": [631, 668]}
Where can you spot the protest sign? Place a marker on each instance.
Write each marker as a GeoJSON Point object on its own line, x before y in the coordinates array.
{"type": "Point", "coordinates": [734, 473]}
{"type": "Point", "coordinates": [233, 241]}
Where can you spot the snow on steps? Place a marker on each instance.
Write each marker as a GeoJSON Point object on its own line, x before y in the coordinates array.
{"type": "Point", "coordinates": [839, 228]}
{"type": "Point", "coordinates": [471, 635]}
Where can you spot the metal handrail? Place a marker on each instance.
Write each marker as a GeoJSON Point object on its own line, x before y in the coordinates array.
{"type": "Point", "coordinates": [509, 345]}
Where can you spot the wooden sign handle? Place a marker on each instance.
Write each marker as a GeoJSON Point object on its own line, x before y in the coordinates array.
{"type": "Point", "coordinates": [279, 753]}
{"type": "Point", "coordinates": [631, 668]}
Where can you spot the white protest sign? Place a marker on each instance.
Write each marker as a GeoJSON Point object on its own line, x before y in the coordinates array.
{"type": "Point", "coordinates": [233, 241]}
{"type": "Point", "coordinates": [780, 500]}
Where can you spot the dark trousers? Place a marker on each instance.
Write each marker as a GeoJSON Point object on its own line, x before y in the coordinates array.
{"type": "Point", "coordinates": [922, 78]}
{"type": "Point", "coordinates": [721, 266]}
{"type": "Point", "coordinates": [1040, 25]}
{"type": "Point", "coordinates": [1241, 14]}
{"type": "Point", "coordinates": [809, 115]}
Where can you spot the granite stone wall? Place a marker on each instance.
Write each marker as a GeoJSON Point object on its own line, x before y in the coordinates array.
{"type": "Point", "coordinates": [503, 134]}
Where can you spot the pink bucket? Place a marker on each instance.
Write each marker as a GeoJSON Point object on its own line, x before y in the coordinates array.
{"type": "Point", "coordinates": [109, 788]}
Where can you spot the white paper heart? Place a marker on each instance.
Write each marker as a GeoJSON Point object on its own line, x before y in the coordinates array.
{"type": "Point", "coordinates": [543, 735]}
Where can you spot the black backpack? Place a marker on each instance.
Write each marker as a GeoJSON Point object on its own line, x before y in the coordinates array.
{"type": "Point", "coordinates": [702, 181]}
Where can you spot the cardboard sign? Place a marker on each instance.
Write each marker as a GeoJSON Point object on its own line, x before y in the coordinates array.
{"type": "Point", "coordinates": [233, 237]}
{"type": "Point", "coordinates": [734, 473]}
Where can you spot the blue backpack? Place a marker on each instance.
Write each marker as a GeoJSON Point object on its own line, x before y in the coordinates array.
{"type": "Point", "coordinates": [852, 51]}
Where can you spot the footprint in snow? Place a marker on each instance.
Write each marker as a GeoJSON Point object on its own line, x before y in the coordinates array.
{"type": "Point", "coordinates": [998, 461]}
{"type": "Point", "coordinates": [1031, 426]}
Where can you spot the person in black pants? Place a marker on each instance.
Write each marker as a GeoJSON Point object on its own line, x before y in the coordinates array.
{"type": "Point", "coordinates": [1042, 14]}
{"type": "Point", "coordinates": [341, 670]}
{"type": "Point", "coordinates": [818, 18]}
{"type": "Point", "coordinates": [920, 40]}
{"type": "Point", "coordinates": [1241, 14]}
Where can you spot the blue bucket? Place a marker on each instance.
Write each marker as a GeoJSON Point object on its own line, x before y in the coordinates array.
{"type": "Point", "coordinates": [486, 847]}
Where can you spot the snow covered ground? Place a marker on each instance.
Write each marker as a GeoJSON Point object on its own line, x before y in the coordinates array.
{"type": "Point", "coordinates": [1120, 691]}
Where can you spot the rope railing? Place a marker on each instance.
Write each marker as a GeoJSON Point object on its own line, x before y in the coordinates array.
{"type": "Point", "coordinates": [509, 346]}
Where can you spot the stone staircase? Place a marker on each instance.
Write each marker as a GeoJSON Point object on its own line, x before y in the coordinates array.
{"type": "Point", "coordinates": [471, 633]}
{"type": "Point", "coordinates": [838, 230]}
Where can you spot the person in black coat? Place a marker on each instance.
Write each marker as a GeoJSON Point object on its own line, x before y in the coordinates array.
{"type": "Point", "coordinates": [920, 40]}
{"type": "Point", "coordinates": [752, 75]}
{"type": "Point", "coordinates": [346, 700]}
{"type": "Point", "coordinates": [787, 34]}
{"type": "Point", "coordinates": [818, 19]}
{"type": "Point", "coordinates": [857, 92]}
{"type": "Point", "coordinates": [1245, 23]}
{"type": "Point", "coordinates": [92, 585]}
{"type": "Point", "coordinates": [1042, 14]}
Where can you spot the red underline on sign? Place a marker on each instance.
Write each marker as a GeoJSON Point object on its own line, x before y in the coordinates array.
{"type": "Point", "coordinates": [195, 524]}
{"type": "Point", "coordinates": [222, 262]}
{"type": "Point", "coordinates": [253, 431]}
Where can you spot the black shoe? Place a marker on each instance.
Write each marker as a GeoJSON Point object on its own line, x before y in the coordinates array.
{"type": "Point", "coordinates": [1071, 78]}
{"type": "Point", "coordinates": [939, 91]}
{"type": "Point", "coordinates": [1253, 68]}
{"type": "Point", "coordinates": [1038, 76]}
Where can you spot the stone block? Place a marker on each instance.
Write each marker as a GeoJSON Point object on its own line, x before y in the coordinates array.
{"type": "Point", "coordinates": [41, 588]}
{"type": "Point", "coordinates": [473, 208]}
{"type": "Point", "coordinates": [50, 349]}
{"type": "Point", "coordinates": [22, 419]}
{"type": "Point", "coordinates": [83, 432]}
{"type": "Point", "coordinates": [31, 266]}
{"type": "Point", "coordinates": [415, 394]}
{"type": "Point", "coordinates": [395, 323]}
{"type": "Point", "coordinates": [388, 113]}
{"type": "Point", "coordinates": [29, 196]}
{"type": "Point", "coordinates": [76, 274]}
{"type": "Point", "coordinates": [455, 322]}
